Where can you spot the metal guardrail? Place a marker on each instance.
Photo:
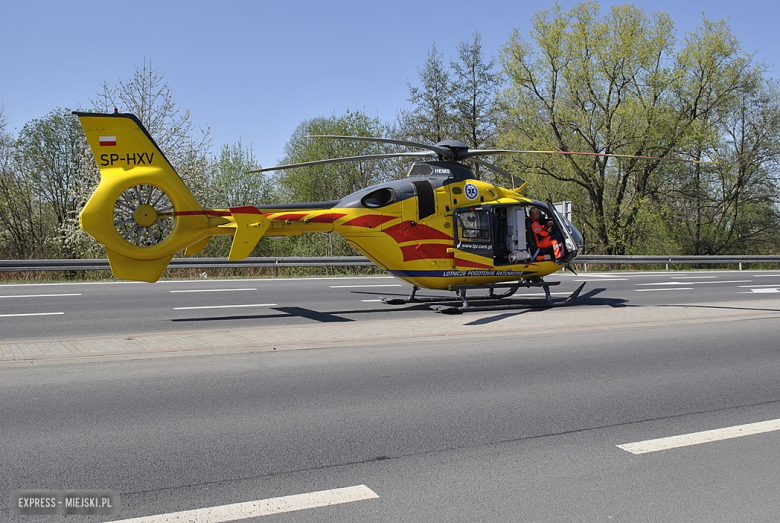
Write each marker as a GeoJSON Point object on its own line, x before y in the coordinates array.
{"type": "Point", "coordinates": [187, 263]}
{"type": "Point", "coordinates": [354, 261]}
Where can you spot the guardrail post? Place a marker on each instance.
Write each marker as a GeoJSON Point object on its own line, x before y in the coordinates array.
{"type": "Point", "coordinates": [276, 268]}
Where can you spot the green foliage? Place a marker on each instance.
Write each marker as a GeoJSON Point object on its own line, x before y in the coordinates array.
{"type": "Point", "coordinates": [232, 185]}
{"type": "Point", "coordinates": [333, 181]}
{"type": "Point", "coordinates": [611, 83]}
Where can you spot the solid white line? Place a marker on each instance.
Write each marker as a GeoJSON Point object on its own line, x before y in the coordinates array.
{"type": "Point", "coordinates": [225, 306]}
{"type": "Point", "coordinates": [263, 507]}
{"type": "Point", "coordinates": [528, 295]}
{"type": "Point", "coordinates": [31, 314]}
{"type": "Point", "coordinates": [363, 286]}
{"type": "Point", "coordinates": [38, 295]}
{"type": "Point", "coordinates": [605, 279]}
{"type": "Point", "coordinates": [217, 290]}
{"type": "Point", "coordinates": [697, 438]}
{"type": "Point", "coordinates": [761, 291]}
{"type": "Point", "coordinates": [369, 301]}
{"type": "Point", "coordinates": [693, 277]}
{"type": "Point", "coordinates": [693, 282]}
{"type": "Point", "coordinates": [669, 289]}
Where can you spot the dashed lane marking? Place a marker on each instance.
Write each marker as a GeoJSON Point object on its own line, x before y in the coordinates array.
{"type": "Point", "coordinates": [38, 295]}
{"type": "Point", "coordinates": [697, 438]}
{"type": "Point", "coordinates": [31, 314]}
{"type": "Point", "coordinates": [693, 282]}
{"type": "Point", "coordinates": [225, 306]}
{"type": "Point", "coordinates": [263, 507]}
{"type": "Point", "coordinates": [217, 290]}
{"type": "Point", "coordinates": [364, 286]}
{"type": "Point", "coordinates": [667, 289]}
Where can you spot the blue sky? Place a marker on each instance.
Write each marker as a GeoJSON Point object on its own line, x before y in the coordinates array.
{"type": "Point", "coordinates": [254, 70]}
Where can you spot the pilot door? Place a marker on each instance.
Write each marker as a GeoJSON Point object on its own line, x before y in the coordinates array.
{"type": "Point", "coordinates": [570, 251]}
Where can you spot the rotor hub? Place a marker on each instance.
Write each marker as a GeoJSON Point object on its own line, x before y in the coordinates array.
{"type": "Point", "coordinates": [145, 215]}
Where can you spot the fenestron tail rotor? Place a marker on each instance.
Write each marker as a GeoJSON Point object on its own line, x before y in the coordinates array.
{"type": "Point", "coordinates": [144, 215]}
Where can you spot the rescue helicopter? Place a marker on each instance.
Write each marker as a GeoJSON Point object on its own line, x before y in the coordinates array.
{"type": "Point", "coordinates": [439, 228]}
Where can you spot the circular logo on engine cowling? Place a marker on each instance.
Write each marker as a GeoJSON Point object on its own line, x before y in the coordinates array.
{"type": "Point", "coordinates": [471, 191]}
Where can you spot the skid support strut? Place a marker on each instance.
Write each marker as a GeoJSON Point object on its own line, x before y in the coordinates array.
{"type": "Point", "coordinates": [466, 306]}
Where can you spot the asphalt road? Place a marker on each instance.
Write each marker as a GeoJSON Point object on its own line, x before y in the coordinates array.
{"type": "Point", "coordinates": [489, 426]}
{"type": "Point", "coordinates": [54, 311]}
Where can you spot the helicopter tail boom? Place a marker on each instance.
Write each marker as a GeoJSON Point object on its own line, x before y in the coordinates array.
{"type": "Point", "coordinates": [142, 212]}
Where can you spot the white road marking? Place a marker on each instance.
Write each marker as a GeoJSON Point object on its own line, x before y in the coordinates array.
{"type": "Point", "coordinates": [667, 289]}
{"type": "Point", "coordinates": [263, 507]}
{"type": "Point", "coordinates": [754, 286]}
{"type": "Point", "coordinates": [38, 295]}
{"type": "Point", "coordinates": [605, 279]}
{"type": "Point", "coordinates": [542, 295]}
{"type": "Point", "coordinates": [762, 291]}
{"type": "Point", "coordinates": [225, 306]}
{"type": "Point", "coordinates": [692, 282]}
{"type": "Point", "coordinates": [697, 438]}
{"type": "Point", "coordinates": [766, 275]}
{"type": "Point", "coordinates": [31, 314]}
{"type": "Point", "coordinates": [217, 290]}
{"type": "Point", "coordinates": [363, 286]}
{"type": "Point", "coordinates": [693, 277]}
{"type": "Point", "coordinates": [369, 301]}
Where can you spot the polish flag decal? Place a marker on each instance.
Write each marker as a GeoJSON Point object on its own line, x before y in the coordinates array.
{"type": "Point", "coordinates": [107, 141]}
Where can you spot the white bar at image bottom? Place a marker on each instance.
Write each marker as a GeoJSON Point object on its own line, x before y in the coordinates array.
{"type": "Point", "coordinates": [263, 507]}
{"type": "Point", "coordinates": [696, 438]}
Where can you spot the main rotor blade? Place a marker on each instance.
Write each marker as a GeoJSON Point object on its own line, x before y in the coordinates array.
{"type": "Point", "coordinates": [612, 155]}
{"type": "Point", "coordinates": [345, 159]}
{"type": "Point", "coordinates": [438, 150]}
{"type": "Point", "coordinates": [488, 152]}
{"type": "Point", "coordinates": [499, 170]}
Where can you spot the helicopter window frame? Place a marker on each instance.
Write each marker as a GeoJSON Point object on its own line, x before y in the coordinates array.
{"type": "Point", "coordinates": [473, 226]}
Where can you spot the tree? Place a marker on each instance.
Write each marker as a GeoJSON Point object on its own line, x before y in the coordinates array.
{"type": "Point", "coordinates": [50, 172]}
{"type": "Point", "coordinates": [432, 120]}
{"type": "Point", "coordinates": [231, 185]}
{"type": "Point", "coordinates": [732, 208]}
{"type": "Point", "coordinates": [148, 96]}
{"type": "Point", "coordinates": [329, 181]}
{"type": "Point", "coordinates": [20, 224]}
{"type": "Point", "coordinates": [475, 87]}
{"type": "Point", "coordinates": [333, 181]}
{"type": "Point", "coordinates": [612, 84]}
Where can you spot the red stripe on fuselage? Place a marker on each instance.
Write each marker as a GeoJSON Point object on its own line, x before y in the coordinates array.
{"type": "Point", "coordinates": [327, 218]}
{"type": "Point", "coordinates": [289, 217]}
{"type": "Point", "coordinates": [209, 212]}
{"type": "Point", "coordinates": [426, 251]}
{"type": "Point", "coordinates": [370, 221]}
{"type": "Point", "coordinates": [404, 232]}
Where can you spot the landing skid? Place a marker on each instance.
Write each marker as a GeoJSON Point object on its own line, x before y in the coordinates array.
{"type": "Point", "coordinates": [511, 288]}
